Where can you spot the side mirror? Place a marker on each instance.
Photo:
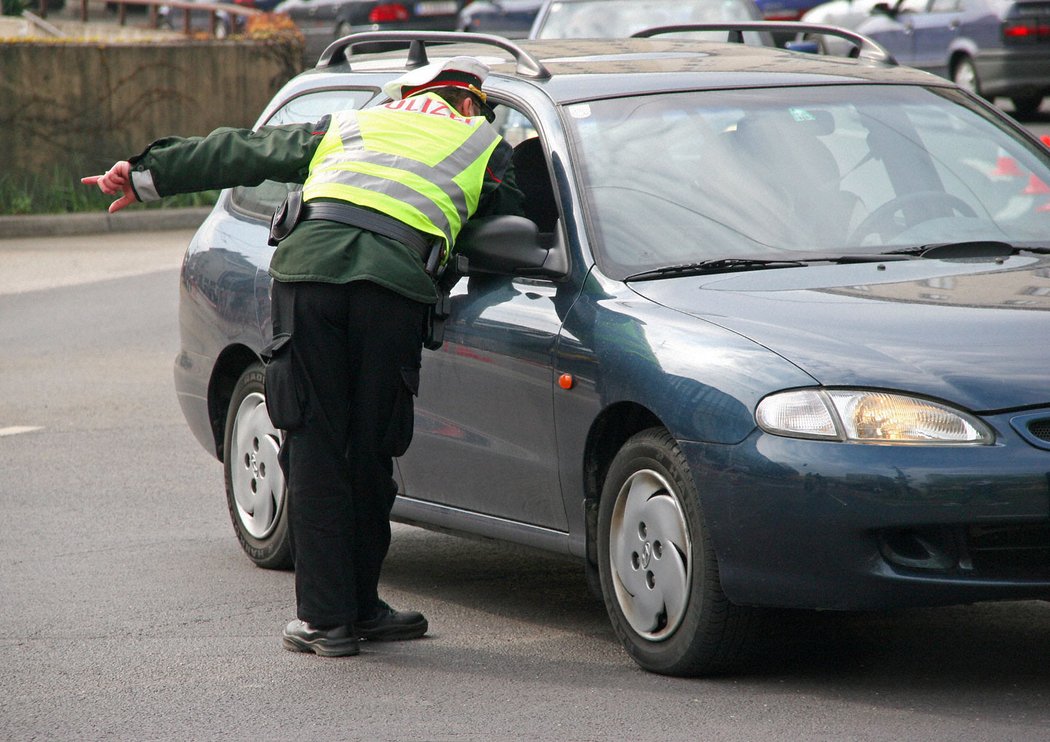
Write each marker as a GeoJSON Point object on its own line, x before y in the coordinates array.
{"type": "Point", "coordinates": [509, 246]}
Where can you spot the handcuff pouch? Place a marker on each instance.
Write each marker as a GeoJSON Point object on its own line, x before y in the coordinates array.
{"type": "Point", "coordinates": [285, 217]}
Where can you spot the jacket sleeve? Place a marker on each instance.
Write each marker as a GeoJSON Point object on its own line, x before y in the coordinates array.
{"type": "Point", "coordinates": [499, 192]}
{"type": "Point", "coordinates": [225, 158]}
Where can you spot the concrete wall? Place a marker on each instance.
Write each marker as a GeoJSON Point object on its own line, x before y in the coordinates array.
{"type": "Point", "coordinates": [69, 106]}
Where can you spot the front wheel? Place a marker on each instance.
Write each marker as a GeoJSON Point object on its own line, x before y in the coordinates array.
{"type": "Point", "coordinates": [964, 74]}
{"type": "Point", "coordinates": [255, 489]}
{"type": "Point", "coordinates": [659, 574]}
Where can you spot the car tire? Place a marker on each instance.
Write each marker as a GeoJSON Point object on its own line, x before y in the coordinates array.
{"type": "Point", "coordinates": [1026, 106]}
{"type": "Point", "coordinates": [659, 573]}
{"type": "Point", "coordinates": [255, 488]}
{"type": "Point", "coordinates": [964, 74]}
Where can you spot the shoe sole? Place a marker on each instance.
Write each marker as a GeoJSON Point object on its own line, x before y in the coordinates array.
{"type": "Point", "coordinates": [394, 633]}
{"type": "Point", "coordinates": [336, 648]}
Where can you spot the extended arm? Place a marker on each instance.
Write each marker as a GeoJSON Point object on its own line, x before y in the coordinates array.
{"type": "Point", "coordinates": [223, 159]}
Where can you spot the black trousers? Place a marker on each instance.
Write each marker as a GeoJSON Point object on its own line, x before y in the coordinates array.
{"type": "Point", "coordinates": [356, 355]}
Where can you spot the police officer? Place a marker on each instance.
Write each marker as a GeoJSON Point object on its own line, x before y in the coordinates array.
{"type": "Point", "coordinates": [386, 191]}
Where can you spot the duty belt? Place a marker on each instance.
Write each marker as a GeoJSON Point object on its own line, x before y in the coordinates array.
{"type": "Point", "coordinates": [372, 221]}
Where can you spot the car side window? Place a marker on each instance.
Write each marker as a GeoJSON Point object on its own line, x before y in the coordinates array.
{"type": "Point", "coordinates": [913, 6]}
{"type": "Point", "coordinates": [513, 125]}
{"type": "Point", "coordinates": [261, 200]}
{"type": "Point", "coordinates": [530, 166]}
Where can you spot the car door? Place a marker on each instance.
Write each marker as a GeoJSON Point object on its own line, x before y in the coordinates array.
{"type": "Point", "coordinates": [895, 31]}
{"type": "Point", "coordinates": [484, 439]}
{"type": "Point", "coordinates": [933, 34]}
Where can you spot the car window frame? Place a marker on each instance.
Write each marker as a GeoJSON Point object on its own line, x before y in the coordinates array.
{"type": "Point", "coordinates": [559, 236]}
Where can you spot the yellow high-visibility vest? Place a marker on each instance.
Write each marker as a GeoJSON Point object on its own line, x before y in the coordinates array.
{"type": "Point", "coordinates": [417, 160]}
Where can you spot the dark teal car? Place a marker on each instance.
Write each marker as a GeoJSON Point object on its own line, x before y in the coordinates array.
{"type": "Point", "coordinates": [774, 334]}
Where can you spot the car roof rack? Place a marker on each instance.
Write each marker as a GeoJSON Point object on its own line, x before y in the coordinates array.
{"type": "Point", "coordinates": [342, 49]}
{"type": "Point", "coordinates": [866, 48]}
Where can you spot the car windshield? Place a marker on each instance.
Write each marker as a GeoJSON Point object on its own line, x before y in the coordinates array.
{"type": "Point", "coordinates": [680, 178]}
{"type": "Point", "coordinates": [618, 18]}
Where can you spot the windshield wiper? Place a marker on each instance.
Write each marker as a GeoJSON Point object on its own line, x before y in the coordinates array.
{"type": "Point", "coordinates": [966, 249]}
{"type": "Point", "coordinates": [717, 265]}
{"type": "Point", "coordinates": [727, 265]}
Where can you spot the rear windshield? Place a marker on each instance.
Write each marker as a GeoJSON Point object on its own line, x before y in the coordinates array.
{"type": "Point", "coordinates": [673, 179]}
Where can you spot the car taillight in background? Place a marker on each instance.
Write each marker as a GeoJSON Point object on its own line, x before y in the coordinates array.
{"type": "Point", "coordinates": [245, 3]}
{"type": "Point", "coordinates": [781, 14]}
{"type": "Point", "coordinates": [1026, 30]}
{"type": "Point", "coordinates": [388, 12]}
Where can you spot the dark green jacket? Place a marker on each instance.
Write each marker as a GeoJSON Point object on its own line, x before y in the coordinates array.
{"type": "Point", "coordinates": [316, 250]}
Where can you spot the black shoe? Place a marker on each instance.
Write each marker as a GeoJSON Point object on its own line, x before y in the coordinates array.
{"type": "Point", "coordinates": [339, 641]}
{"type": "Point", "coordinates": [389, 625]}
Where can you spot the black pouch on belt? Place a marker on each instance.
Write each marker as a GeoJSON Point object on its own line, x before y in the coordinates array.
{"type": "Point", "coordinates": [285, 217]}
{"type": "Point", "coordinates": [284, 400]}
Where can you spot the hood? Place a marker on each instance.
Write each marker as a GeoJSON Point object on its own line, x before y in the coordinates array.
{"type": "Point", "coordinates": [973, 332]}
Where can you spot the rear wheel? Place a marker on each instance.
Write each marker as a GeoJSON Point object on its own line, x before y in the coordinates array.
{"type": "Point", "coordinates": [255, 490]}
{"type": "Point", "coordinates": [659, 574]}
{"type": "Point", "coordinates": [964, 74]}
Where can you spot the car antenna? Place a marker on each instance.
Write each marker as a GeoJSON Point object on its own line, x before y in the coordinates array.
{"type": "Point", "coordinates": [417, 55]}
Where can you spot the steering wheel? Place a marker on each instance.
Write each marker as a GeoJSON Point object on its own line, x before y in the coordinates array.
{"type": "Point", "coordinates": [881, 220]}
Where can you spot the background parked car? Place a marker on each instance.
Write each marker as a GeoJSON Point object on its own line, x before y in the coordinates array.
{"type": "Point", "coordinates": [563, 19]}
{"type": "Point", "coordinates": [847, 14]}
{"type": "Point", "coordinates": [510, 18]}
{"type": "Point", "coordinates": [323, 21]}
{"type": "Point", "coordinates": [784, 10]}
{"type": "Point", "coordinates": [200, 20]}
{"type": "Point", "coordinates": [264, 5]}
{"type": "Point", "coordinates": [990, 47]}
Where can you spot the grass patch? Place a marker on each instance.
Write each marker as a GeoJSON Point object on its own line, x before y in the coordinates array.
{"type": "Point", "coordinates": [62, 193]}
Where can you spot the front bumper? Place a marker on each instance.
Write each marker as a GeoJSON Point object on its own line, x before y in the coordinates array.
{"type": "Point", "coordinates": [812, 524]}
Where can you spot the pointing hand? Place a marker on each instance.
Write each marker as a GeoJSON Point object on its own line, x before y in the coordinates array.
{"type": "Point", "coordinates": [116, 180]}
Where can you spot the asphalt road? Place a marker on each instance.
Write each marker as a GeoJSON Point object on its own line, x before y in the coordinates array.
{"type": "Point", "coordinates": [127, 611]}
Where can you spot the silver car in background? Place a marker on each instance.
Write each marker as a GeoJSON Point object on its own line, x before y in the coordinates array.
{"type": "Point", "coordinates": [605, 19]}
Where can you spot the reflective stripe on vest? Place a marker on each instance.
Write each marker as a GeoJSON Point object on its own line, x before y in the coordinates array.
{"type": "Point", "coordinates": [416, 160]}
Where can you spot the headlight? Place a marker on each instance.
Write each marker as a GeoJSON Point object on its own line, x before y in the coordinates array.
{"type": "Point", "coordinates": [868, 417]}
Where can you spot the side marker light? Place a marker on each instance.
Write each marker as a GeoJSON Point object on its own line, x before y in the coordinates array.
{"type": "Point", "coordinates": [565, 381]}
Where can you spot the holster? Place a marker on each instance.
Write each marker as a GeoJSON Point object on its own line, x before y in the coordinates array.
{"type": "Point", "coordinates": [439, 311]}
{"type": "Point", "coordinates": [435, 330]}
{"type": "Point", "coordinates": [286, 217]}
